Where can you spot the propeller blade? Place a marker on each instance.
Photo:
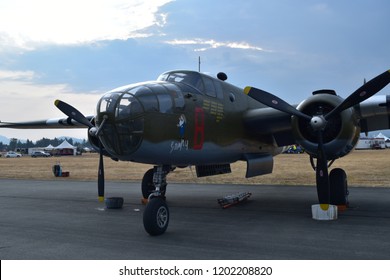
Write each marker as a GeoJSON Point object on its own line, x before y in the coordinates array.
{"type": "Point", "coordinates": [101, 174]}
{"type": "Point", "coordinates": [322, 174]}
{"type": "Point", "coordinates": [274, 102]}
{"type": "Point", "coordinates": [364, 92]}
{"type": "Point", "coordinates": [73, 113]}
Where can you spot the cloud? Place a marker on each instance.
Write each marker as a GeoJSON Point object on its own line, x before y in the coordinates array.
{"type": "Point", "coordinates": [21, 96]}
{"type": "Point", "coordinates": [23, 100]}
{"type": "Point", "coordinates": [16, 75]}
{"type": "Point", "coordinates": [206, 44]}
{"type": "Point", "coordinates": [25, 24]}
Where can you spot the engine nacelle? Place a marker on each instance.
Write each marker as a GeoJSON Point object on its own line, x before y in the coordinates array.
{"type": "Point", "coordinates": [341, 133]}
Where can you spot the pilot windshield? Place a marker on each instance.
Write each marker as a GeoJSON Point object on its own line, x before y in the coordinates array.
{"type": "Point", "coordinates": [190, 78]}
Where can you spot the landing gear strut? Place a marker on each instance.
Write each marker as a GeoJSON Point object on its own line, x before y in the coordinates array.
{"type": "Point", "coordinates": [332, 189]}
{"type": "Point", "coordinates": [148, 184]}
{"type": "Point", "coordinates": [156, 214]}
{"type": "Point", "coordinates": [338, 186]}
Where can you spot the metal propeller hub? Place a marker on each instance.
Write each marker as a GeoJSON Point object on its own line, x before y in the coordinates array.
{"type": "Point", "coordinates": [92, 131]}
{"type": "Point", "coordinates": [95, 131]}
{"type": "Point", "coordinates": [318, 123]}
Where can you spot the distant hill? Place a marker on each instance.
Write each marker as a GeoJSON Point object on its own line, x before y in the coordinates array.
{"type": "Point", "coordinates": [75, 140]}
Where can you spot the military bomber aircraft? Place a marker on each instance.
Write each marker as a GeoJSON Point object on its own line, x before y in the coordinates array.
{"type": "Point", "coordinates": [187, 118]}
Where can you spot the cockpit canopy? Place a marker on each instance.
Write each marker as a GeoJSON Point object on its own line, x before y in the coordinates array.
{"type": "Point", "coordinates": [186, 77]}
{"type": "Point", "coordinates": [204, 84]}
{"type": "Point", "coordinates": [133, 100]}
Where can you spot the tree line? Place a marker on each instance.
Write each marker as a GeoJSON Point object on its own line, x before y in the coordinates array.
{"type": "Point", "coordinates": [16, 144]}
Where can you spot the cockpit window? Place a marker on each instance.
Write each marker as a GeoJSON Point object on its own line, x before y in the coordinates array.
{"type": "Point", "coordinates": [210, 89]}
{"type": "Point", "coordinates": [190, 78]}
{"type": "Point", "coordinates": [163, 77]}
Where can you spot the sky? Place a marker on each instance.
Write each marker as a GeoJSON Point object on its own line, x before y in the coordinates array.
{"type": "Point", "coordinates": [77, 50]}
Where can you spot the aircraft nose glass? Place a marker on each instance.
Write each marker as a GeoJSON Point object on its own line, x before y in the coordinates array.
{"type": "Point", "coordinates": [128, 106]}
{"type": "Point", "coordinates": [107, 103]}
{"type": "Point", "coordinates": [122, 133]}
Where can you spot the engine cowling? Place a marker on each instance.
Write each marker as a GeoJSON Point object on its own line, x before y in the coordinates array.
{"type": "Point", "coordinates": [341, 133]}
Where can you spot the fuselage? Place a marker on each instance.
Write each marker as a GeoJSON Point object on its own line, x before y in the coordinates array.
{"type": "Point", "coordinates": [183, 118]}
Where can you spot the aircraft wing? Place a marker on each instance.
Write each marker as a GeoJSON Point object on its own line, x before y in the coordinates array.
{"type": "Point", "coordinates": [45, 124]}
{"type": "Point", "coordinates": [267, 121]}
{"type": "Point", "coordinates": [374, 113]}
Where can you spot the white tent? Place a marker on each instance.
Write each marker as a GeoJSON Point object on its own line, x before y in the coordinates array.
{"type": "Point", "coordinates": [381, 135]}
{"type": "Point", "coordinates": [65, 149]}
{"type": "Point", "coordinates": [49, 148]}
{"type": "Point", "coordinates": [387, 139]}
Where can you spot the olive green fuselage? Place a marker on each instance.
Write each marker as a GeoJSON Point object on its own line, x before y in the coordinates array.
{"type": "Point", "coordinates": [178, 122]}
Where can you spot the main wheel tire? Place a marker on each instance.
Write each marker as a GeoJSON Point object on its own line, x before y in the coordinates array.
{"type": "Point", "coordinates": [147, 185]}
{"type": "Point", "coordinates": [156, 216]}
{"type": "Point", "coordinates": [338, 187]}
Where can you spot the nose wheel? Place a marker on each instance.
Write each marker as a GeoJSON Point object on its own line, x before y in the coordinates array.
{"type": "Point", "coordinates": [156, 216]}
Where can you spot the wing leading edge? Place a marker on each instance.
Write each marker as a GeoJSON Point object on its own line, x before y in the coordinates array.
{"type": "Point", "coordinates": [45, 124]}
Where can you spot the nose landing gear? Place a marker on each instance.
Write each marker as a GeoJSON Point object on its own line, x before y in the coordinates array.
{"type": "Point", "coordinates": [156, 214]}
{"type": "Point", "coordinates": [148, 185]}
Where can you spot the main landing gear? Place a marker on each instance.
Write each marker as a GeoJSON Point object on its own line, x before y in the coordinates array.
{"type": "Point", "coordinates": [156, 214]}
{"type": "Point", "coordinates": [338, 186]}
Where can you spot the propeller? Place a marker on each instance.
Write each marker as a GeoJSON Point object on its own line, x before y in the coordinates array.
{"type": "Point", "coordinates": [322, 175]}
{"type": "Point", "coordinates": [274, 102]}
{"type": "Point", "coordinates": [364, 92]}
{"type": "Point", "coordinates": [319, 122]}
{"type": "Point", "coordinates": [73, 113]}
{"type": "Point", "coordinates": [101, 174]}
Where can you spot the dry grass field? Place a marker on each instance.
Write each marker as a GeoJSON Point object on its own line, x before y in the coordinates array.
{"type": "Point", "coordinates": [364, 168]}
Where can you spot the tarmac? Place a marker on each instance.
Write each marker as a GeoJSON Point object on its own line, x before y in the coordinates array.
{"type": "Point", "coordinates": [62, 219]}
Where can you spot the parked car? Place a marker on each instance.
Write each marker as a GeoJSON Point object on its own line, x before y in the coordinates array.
{"type": "Point", "coordinates": [12, 155]}
{"type": "Point", "coordinates": [40, 154]}
{"type": "Point", "coordinates": [294, 150]}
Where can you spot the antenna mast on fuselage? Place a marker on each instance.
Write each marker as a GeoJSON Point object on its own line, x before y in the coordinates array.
{"type": "Point", "coordinates": [199, 64]}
